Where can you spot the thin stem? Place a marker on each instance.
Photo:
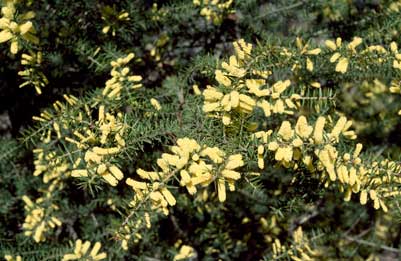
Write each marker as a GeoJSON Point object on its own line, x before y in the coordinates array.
{"type": "Point", "coordinates": [286, 8]}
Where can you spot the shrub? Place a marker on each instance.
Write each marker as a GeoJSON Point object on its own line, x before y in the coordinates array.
{"type": "Point", "coordinates": [200, 130]}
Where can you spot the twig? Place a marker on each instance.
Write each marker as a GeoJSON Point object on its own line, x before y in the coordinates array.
{"type": "Point", "coordinates": [368, 243]}
{"type": "Point", "coordinates": [286, 8]}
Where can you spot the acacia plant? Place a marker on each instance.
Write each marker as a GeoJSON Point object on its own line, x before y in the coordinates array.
{"type": "Point", "coordinates": [200, 130]}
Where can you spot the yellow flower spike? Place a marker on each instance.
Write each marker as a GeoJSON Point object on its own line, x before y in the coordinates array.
{"type": "Point", "coordinates": [215, 154]}
{"type": "Point", "coordinates": [226, 103]}
{"type": "Point", "coordinates": [261, 149]}
{"type": "Point", "coordinates": [209, 107]}
{"type": "Point", "coordinates": [196, 89]}
{"type": "Point", "coordinates": [302, 129]}
{"type": "Point", "coordinates": [116, 172]}
{"type": "Point", "coordinates": [222, 79]}
{"type": "Point", "coordinates": [247, 100]}
{"type": "Point", "coordinates": [211, 94]}
{"type": "Point", "coordinates": [376, 203]}
{"type": "Point", "coordinates": [57, 129]}
{"type": "Point", "coordinates": [315, 85]}
{"type": "Point", "coordinates": [185, 177]}
{"type": "Point", "coordinates": [101, 114]}
{"type": "Point", "coordinates": [85, 247]}
{"type": "Point", "coordinates": [105, 151]}
{"type": "Point", "coordinates": [342, 65]}
{"type": "Point", "coordinates": [221, 190]}
{"type": "Point", "coordinates": [24, 28]}
{"type": "Point", "coordinates": [136, 184]}
{"type": "Point", "coordinates": [363, 197]}
{"type": "Point", "coordinates": [383, 206]}
{"type": "Point", "coordinates": [344, 173]}
{"type": "Point", "coordinates": [309, 65]}
{"type": "Point", "coordinates": [328, 161]}
{"type": "Point", "coordinates": [242, 49]}
{"type": "Point", "coordinates": [338, 128]}
{"type": "Point", "coordinates": [354, 43]}
{"type": "Point", "coordinates": [185, 253]}
{"type": "Point", "coordinates": [120, 141]}
{"type": "Point", "coordinates": [233, 68]}
{"type": "Point", "coordinates": [297, 143]}
{"type": "Point", "coordinates": [357, 150]}
{"type": "Point", "coordinates": [90, 156]}
{"type": "Point", "coordinates": [5, 36]}
{"type": "Point", "coordinates": [285, 131]}
{"type": "Point", "coordinates": [147, 220]}
{"type": "Point", "coordinates": [27, 201]}
{"type": "Point", "coordinates": [284, 154]}
{"type": "Point", "coordinates": [352, 176]}
{"type": "Point", "coordinates": [266, 107]}
{"type": "Point", "coordinates": [335, 57]}
{"type": "Point", "coordinates": [56, 221]}
{"type": "Point", "coordinates": [109, 178]}
{"type": "Point", "coordinates": [348, 194]}
{"type": "Point", "coordinates": [95, 249]}
{"type": "Point", "coordinates": [168, 196]}
{"type": "Point", "coordinates": [318, 131]}
{"type": "Point", "coordinates": [234, 161]}
{"type": "Point", "coordinates": [14, 46]}
{"type": "Point", "coordinates": [234, 98]}
{"type": "Point", "coordinates": [261, 162]}
{"type": "Point", "coordinates": [231, 174]}
{"type": "Point", "coordinates": [155, 103]}
{"type": "Point", "coordinates": [278, 107]}
{"type": "Point", "coordinates": [254, 85]}
{"type": "Point", "coordinates": [79, 173]}
{"type": "Point", "coordinates": [331, 45]}
{"type": "Point", "coordinates": [273, 146]}
{"type": "Point", "coordinates": [372, 194]}
{"type": "Point", "coordinates": [394, 47]}
{"type": "Point", "coordinates": [78, 247]}
{"type": "Point", "coordinates": [281, 86]}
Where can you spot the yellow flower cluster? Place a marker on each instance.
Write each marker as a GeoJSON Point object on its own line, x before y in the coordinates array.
{"type": "Point", "coordinates": [158, 13]}
{"type": "Point", "coordinates": [315, 149]}
{"type": "Point", "coordinates": [397, 55]}
{"type": "Point", "coordinates": [121, 79]}
{"type": "Point", "coordinates": [185, 253]}
{"type": "Point", "coordinates": [289, 144]}
{"type": "Point", "coordinates": [304, 50]}
{"type": "Point", "coordinates": [395, 6]}
{"type": "Point", "coordinates": [108, 134]}
{"type": "Point", "coordinates": [12, 258]}
{"type": "Point", "coordinates": [269, 227]}
{"type": "Point", "coordinates": [31, 74]}
{"type": "Point", "coordinates": [39, 218]}
{"type": "Point", "coordinates": [133, 230]}
{"type": "Point", "coordinates": [97, 158]}
{"type": "Point", "coordinates": [213, 10]}
{"type": "Point", "coordinates": [155, 103]}
{"type": "Point", "coordinates": [197, 165]}
{"type": "Point", "coordinates": [300, 250]}
{"type": "Point", "coordinates": [342, 64]}
{"type": "Point", "coordinates": [239, 96]}
{"type": "Point", "coordinates": [81, 252]}
{"type": "Point", "coordinates": [396, 88]}
{"type": "Point", "coordinates": [16, 26]}
{"type": "Point", "coordinates": [50, 165]}
{"type": "Point", "coordinates": [112, 19]}
{"type": "Point", "coordinates": [91, 145]}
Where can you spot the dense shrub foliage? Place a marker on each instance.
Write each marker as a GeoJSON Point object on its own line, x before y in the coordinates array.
{"type": "Point", "coordinates": [200, 130]}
